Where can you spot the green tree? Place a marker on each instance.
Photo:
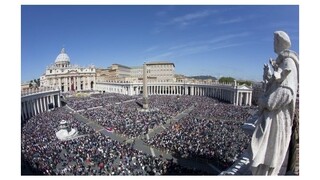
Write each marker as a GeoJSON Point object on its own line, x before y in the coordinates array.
{"type": "Point", "coordinates": [38, 82]}
{"type": "Point", "coordinates": [249, 83]}
{"type": "Point", "coordinates": [226, 80]}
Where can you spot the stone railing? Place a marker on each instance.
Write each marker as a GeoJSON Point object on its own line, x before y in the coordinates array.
{"type": "Point", "coordinates": [173, 83]}
{"type": "Point", "coordinates": [30, 91]}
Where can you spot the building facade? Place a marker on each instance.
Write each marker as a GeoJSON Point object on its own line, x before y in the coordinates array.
{"type": "Point", "coordinates": [122, 79]}
{"type": "Point", "coordinates": [161, 71]}
{"type": "Point", "coordinates": [68, 77]}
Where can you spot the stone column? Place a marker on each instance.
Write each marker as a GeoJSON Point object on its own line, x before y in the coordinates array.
{"type": "Point", "coordinates": [58, 99]}
{"type": "Point", "coordinates": [65, 84]}
{"type": "Point", "coordinates": [44, 104]}
{"type": "Point", "coordinates": [59, 83]}
{"type": "Point", "coordinates": [38, 105]}
{"type": "Point", "coordinates": [236, 94]}
{"type": "Point", "coordinates": [78, 83]}
{"type": "Point", "coordinates": [94, 82]}
{"type": "Point", "coordinates": [145, 94]}
{"type": "Point", "coordinates": [23, 111]}
{"type": "Point", "coordinates": [247, 98]}
{"type": "Point", "coordinates": [28, 109]}
{"type": "Point", "coordinates": [130, 90]}
{"type": "Point", "coordinates": [241, 98]}
{"type": "Point", "coordinates": [41, 105]}
{"type": "Point", "coordinates": [47, 102]}
{"type": "Point", "coordinates": [250, 98]}
{"type": "Point", "coordinates": [34, 107]}
{"type": "Point", "coordinates": [53, 101]}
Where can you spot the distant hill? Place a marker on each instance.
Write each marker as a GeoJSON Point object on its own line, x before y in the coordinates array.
{"type": "Point", "coordinates": [203, 77]}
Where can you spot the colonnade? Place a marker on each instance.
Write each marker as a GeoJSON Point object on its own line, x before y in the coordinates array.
{"type": "Point", "coordinates": [237, 95]}
{"type": "Point", "coordinates": [33, 104]}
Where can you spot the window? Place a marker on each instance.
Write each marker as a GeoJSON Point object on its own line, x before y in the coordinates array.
{"type": "Point", "coordinates": [50, 71]}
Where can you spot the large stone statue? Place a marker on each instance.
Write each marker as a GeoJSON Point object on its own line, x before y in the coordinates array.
{"type": "Point", "coordinates": [271, 137]}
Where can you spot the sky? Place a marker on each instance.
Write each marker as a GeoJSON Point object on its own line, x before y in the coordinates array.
{"type": "Point", "coordinates": [217, 40]}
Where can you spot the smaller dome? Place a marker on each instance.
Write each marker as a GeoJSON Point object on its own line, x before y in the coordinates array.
{"type": "Point", "coordinates": [62, 57]}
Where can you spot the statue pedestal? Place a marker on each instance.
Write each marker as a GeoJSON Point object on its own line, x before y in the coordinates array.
{"type": "Point", "coordinates": [145, 103]}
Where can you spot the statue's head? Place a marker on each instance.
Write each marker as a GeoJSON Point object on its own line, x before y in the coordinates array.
{"type": "Point", "coordinates": [281, 41]}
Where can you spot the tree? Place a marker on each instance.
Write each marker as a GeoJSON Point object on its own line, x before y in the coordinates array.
{"type": "Point", "coordinates": [38, 82]}
{"type": "Point", "coordinates": [226, 80]}
{"type": "Point", "coordinates": [249, 83]}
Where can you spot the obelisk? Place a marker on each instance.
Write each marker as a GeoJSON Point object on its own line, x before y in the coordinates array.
{"type": "Point", "coordinates": [145, 89]}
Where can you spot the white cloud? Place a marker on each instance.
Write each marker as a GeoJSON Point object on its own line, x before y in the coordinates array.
{"type": "Point", "coordinates": [152, 48]}
{"type": "Point", "coordinates": [182, 21]}
{"type": "Point", "coordinates": [195, 47]}
{"type": "Point", "coordinates": [231, 21]}
{"type": "Point", "coordinates": [190, 17]}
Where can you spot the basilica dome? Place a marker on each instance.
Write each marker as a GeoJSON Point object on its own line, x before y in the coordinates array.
{"type": "Point", "coordinates": [62, 57]}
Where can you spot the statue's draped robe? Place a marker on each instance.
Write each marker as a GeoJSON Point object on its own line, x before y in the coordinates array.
{"type": "Point", "coordinates": [271, 138]}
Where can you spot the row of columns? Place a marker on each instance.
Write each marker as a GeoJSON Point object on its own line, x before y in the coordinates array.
{"type": "Point", "coordinates": [230, 95]}
{"type": "Point", "coordinates": [79, 83]}
{"type": "Point", "coordinates": [243, 98]}
{"type": "Point", "coordinates": [38, 104]}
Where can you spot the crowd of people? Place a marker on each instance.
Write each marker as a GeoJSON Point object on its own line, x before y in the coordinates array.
{"type": "Point", "coordinates": [96, 100]}
{"type": "Point", "coordinates": [171, 105]}
{"type": "Point", "coordinates": [125, 119]}
{"type": "Point", "coordinates": [214, 109]}
{"type": "Point", "coordinates": [211, 131]}
{"type": "Point", "coordinates": [38, 137]}
{"type": "Point", "coordinates": [213, 140]}
{"type": "Point", "coordinates": [90, 154]}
